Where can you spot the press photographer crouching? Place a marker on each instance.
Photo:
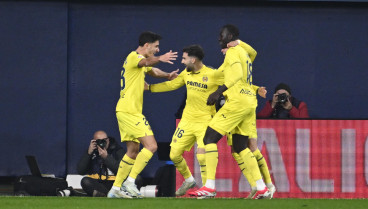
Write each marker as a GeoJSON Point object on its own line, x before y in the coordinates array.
{"type": "Point", "coordinates": [100, 163]}
{"type": "Point", "coordinates": [283, 105]}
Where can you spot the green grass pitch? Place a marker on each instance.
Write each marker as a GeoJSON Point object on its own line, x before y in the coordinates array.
{"type": "Point", "coordinates": [173, 203]}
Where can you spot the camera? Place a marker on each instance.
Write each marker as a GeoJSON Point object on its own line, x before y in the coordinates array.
{"type": "Point", "coordinates": [282, 98]}
{"type": "Point", "coordinates": [101, 143]}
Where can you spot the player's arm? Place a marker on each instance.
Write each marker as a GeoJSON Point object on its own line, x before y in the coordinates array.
{"type": "Point", "coordinates": [250, 50]}
{"type": "Point", "coordinates": [235, 72]}
{"type": "Point", "coordinates": [157, 73]}
{"type": "Point", "coordinates": [168, 85]}
{"type": "Point", "coordinates": [153, 60]}
{"type": "Point", "coordinates": [232, 76]}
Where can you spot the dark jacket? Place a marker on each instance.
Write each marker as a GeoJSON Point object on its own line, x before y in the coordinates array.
{"type": "Point", "coordinates": [94, 164]}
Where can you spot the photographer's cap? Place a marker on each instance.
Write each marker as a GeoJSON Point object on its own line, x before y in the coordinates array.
{"type": "Point", "coordinates": [283, 86]}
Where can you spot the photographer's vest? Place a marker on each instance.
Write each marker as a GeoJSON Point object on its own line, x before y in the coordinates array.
{"type": "Point", "coordinates": [99, 169]}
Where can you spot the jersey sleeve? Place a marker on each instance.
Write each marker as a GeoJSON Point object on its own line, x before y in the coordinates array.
{"type": "Point", "coordinates": [251, 52]}
{"type": "Point", "coordinates": [255, 88]}
{"type": "Point", "coordinates": [133, 59]}
{"type": "Point", "coordinates": [169, 85]}
{"type": "Point", "coordinates": [233, 73]}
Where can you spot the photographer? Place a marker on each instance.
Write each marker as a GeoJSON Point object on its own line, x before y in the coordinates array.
{"type": "Point", "coordinates": [100, 163]}
{"type": "Point", "coordinates": [283, 105]}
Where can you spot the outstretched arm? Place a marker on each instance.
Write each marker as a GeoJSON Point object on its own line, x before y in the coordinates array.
{"type": "Point", "coordinates": [153, 60]}
{"type": "Point", "coordinates": [168, 85]}
{"type": "Point", "coordinates": [157, 73]}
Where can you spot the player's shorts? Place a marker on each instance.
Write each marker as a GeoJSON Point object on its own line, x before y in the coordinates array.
{"type": "Point", "coordinates": [133, 126]}
{"type": "Point", "coordinates": [231, 118]}
{"type": "Point", "coordinates": [187, 133]}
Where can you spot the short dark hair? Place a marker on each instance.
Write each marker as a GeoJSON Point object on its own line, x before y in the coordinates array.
{"type": "Point", "coordinates": [148, 37]}
{"type": "Point", "coordinates": [233, 30]}
{"type": "Point", "coordinates": [195, 51]}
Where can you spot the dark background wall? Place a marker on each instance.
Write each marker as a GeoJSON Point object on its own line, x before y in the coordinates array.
{"type": "Point", "coordinates": [60, 67]}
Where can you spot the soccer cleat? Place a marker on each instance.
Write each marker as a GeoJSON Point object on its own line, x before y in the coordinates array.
{"type": "Point", "coordinates": [185, 187]}
{"type": "Point", "coordinates": [113, 193]}
{"type": "Point", "coordinates": [260, 194]}
{"type": "Point", "coordinates": [251, 194]}
{"type": "Point", "coordinates": [203, 193]}
{"type": "Point", "coordinates": [131, 189]}
{"type": "Point", "coordinates": [272, 190]}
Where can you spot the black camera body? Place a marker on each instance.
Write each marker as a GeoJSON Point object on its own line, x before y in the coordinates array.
{"type": "Point", "coordinates": [282, 98]}
{"type": "Point", "coordinates": [101, 143]}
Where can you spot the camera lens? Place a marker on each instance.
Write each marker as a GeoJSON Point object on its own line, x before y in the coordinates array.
{"type": "Point", "coordinates": [101, 142]}
{"type": "Point", "coordinates": [282, 98]}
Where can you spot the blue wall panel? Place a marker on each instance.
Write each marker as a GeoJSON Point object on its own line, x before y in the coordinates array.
{"type": "Point", "coordinates": [33, 86]}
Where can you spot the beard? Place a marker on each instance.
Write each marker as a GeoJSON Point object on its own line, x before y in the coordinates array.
{"type": "Point", "coordinates": [189, 68]}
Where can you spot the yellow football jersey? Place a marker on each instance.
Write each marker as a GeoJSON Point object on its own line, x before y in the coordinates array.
{"type": "Point", "coordinates": [132, 84]}
{"type": "Point", "coordinates": [199, 86]}
{"type": "Point", "coordinates": [237, 69]}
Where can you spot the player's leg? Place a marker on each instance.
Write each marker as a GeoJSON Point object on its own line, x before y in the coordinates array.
{"type": "Point", "coordinates": [182, 140]}
{"type": "Point", "coordinates": [128, 160]}
{"type": "Point", "coordinates": [211, 152]}
{"type": "Point", "coordinates": [210, 142]}
{"type": "Point", "coordinates": [201, 151]}
{"type": "Point", "coordinates": [126, 163]}
{"type": "Point", "coordinates": [176, 156]}
{"type": "Point", "coordinates": [241, 164]}
{"type": "Point", "coordinates": [247, 174]}
{"type": "Point", "coordinates": [201, 158]}
{"type": "Point", "coordinates": [143, 157]}
{"type": "Point", "coordinates": [240, 147]}
{"type": "Point", "coordinates": [225, 120]}
{"type": "Point", "coordinates": [124, 169]}
{"type": "Point", "coordinates": [262, 164]}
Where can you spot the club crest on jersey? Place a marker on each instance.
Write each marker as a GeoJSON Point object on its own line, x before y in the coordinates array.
{"type": "Point", "coordinates": [205, 78]}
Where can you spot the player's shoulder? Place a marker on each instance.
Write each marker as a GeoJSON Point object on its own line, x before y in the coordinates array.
{"type": "Point", "coordinates": [209, 68]}
{"type": "Point", "coordinates": [232, 51]}
{"type": "Point", "coordinates": [134, 55]}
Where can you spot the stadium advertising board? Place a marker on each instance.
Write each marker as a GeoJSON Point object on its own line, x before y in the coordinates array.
{"type": "Point", "coordinates": [306, 158]}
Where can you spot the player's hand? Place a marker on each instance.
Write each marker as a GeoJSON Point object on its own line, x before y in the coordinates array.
{"type": "Point", "coordinates": [92, 146]}
{"type": "Point", "coordinates": [224, 51]}
{"type": "Point", "coordinates": [262, 91]}
{"type": "Point", "coordinates": [213, 98]}
{"type": "Point", "coordinates": [146, 86]}
{"type": "Point", "coordinates": [174, 74]}
{"type": "Point", "coordinates": [102, 152]}
{"type": "Point", "coordinates": [168, 57]}
{"type": "Point", "coordinates": [233, 43]}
